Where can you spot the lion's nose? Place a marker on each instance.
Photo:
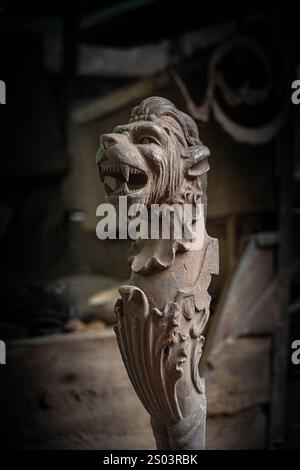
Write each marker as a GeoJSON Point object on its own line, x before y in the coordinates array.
{"type": "Point", "coordinates": [108, 140]}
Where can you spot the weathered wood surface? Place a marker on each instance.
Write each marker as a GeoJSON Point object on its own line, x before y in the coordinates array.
{"type": "Point", "coordinates": [72, 392]}
{"type": "Point", "coordinates": [239, 357]}
{"type": "Point", "coordinates": [242, 431]}
{"type": "Point", "coordinates": [241, 379]}
{"type": "Point", "coordinates": [253, 275]}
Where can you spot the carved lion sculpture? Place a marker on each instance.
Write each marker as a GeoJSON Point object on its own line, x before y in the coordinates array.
{"type": "Point", "coordinates": [158, 158]}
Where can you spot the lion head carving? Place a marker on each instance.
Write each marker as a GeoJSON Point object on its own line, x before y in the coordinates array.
{"type": "Point", "coordinates": [157, 157]}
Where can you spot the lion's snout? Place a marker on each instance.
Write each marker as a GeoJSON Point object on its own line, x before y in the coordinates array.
{"type": "Point", "coordinates": [121, 167]}
{"type": "Point", "coordinates": [109, 140]}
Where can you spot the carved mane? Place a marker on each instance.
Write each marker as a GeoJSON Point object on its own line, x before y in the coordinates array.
{"type": "Point", "coordinates": [183, 136]}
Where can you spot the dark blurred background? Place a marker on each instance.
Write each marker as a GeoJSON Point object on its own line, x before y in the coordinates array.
{"type": "Point", "coordinates": [73, 72]}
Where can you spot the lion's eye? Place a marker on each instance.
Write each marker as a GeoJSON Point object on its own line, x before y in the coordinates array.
{"type": "Point", "coordinates": [145, 140]}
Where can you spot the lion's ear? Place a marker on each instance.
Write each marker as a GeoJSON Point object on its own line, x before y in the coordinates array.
{"type": "Point", "coordinates": [198, 161]}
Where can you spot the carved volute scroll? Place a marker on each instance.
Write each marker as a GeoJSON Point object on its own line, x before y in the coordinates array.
{"type": "Point", "coordinates": [158, 158]}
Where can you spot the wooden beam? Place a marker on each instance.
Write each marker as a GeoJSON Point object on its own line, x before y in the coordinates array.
{"type": "Point", "coordinates": [101, 107]}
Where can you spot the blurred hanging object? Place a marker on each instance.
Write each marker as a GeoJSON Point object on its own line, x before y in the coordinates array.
{"type": "Point", "coordinates": [246, 91]}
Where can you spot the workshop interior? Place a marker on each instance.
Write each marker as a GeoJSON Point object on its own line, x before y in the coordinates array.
{"type": "Point", "coordinates": [72, 72]}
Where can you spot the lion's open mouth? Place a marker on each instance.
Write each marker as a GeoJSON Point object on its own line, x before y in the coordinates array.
{"type": "Point", "coordinates": [121, 178]}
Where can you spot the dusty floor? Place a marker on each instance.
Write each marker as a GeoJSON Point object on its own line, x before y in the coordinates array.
{"type": "Point", "coordinates": [72, 392]}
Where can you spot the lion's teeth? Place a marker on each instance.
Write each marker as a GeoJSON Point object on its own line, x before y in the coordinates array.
{"type": "Point", "coordinates": [115, 168]}
{"type": "Point", "coordinates": [125, 189]}
{"type": "Point", "coordinates": [101, 174]}
{"type": "Point", "coordinates": [134, 171]}
{"type": "Point", "coordinates": [125, 171]}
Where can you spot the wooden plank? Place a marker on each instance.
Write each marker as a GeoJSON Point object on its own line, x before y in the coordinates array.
{"type": "Point", "coordinates": [242, 431]}
{"type": "Point", "coordinates": [240, 303]}
{"type": "Point", "coordinates": [241, 378]}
